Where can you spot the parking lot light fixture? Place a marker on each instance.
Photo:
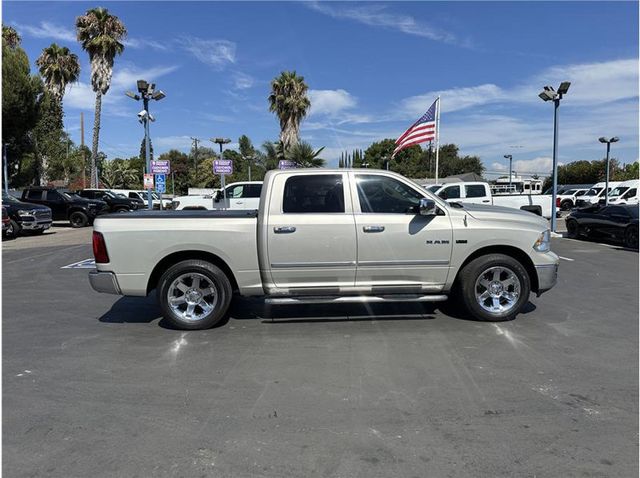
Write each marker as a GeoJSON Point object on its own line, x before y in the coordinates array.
{"type": "Point", "coordinates": [147, 92]}
{"type": "Point", "coordinates": [608, 142]}
{"type": "Point", "coordinates": [549, 94]}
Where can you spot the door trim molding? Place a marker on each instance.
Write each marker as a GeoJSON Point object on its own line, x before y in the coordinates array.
{"type": "Point", "coordinates": [291, 265]}
{"type": "Point", "coordinates": [424, 262]}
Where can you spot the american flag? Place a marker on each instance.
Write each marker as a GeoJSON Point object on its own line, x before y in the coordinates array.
{"type": "Point", "coordinates": [421, 131]}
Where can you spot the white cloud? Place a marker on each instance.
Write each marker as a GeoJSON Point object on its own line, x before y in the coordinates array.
{"type": "Point", "coordinates": [145, 43]}
{"type": "Point", "coordinates": [379, 16]}
{"type": "Point", "coordinates": [453, 99]}
{"type": "Point", "coordinates": [181, 143]}
{"type": "Point", "coordinates": [215, 53]}
{"type": "Point", "coordinates": [47, 30]}
{"type": "Point", "coordinates": [330, 102]}
{"type": "Point", "coordinates": [541, 165]}
{"type": "Point", "coordinates": [242, 81]}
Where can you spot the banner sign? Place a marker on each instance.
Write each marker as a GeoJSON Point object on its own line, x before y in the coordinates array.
{"type": "Point", "coordinates": [148, 181]}
{"type": "Point", "coordinates": [222, 166]}
{"type": "Point", "coordinates": [161, 167]}
{"type": "Point", "coordinates": [284, 164]}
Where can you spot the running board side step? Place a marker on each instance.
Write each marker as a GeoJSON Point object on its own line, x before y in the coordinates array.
{"type": "Point", "coordinates": [353, 299]}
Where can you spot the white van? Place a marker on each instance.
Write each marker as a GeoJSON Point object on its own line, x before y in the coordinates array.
{"type": "Point", "coordinates": [595, 194]}
{"type": "Point", "coordinates": [625, 193]}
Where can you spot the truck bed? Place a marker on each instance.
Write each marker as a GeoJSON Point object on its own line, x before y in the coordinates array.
{"type": "Point", "coordinates": [186, 214]}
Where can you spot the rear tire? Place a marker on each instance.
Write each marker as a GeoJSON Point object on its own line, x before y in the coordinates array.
{"type": "Point", "coordinates": [494, 287]}
{"type": "Point", "coordinates": [78, 219]}
{"type": "Point", "coordinates": [194, 294]}
{"type": "Point", "coordinates": [566, 205]}
{"type": "Point", "coordinates": [573, 229]}
{"type": "Point", "coordinates": [631, 237]}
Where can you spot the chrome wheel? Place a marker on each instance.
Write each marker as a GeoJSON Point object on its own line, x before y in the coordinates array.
{"type": "Point", "coordinates": [497, 290]}
{"type": "Point", "coordinates": [192, 296]}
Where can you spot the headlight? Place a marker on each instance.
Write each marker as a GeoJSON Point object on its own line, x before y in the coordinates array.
{"type": "Point", "coordinates": [22, 212]}
{"type": "Point", "coordinates": [543, 243]}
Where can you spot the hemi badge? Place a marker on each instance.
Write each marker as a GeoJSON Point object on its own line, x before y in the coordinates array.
{"type": "Point", "coordinates": [461, 241]}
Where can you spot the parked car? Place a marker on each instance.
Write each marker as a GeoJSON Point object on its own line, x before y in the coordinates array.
{"type": "Point", "coordinates": [566, 199]}
{"type": "Point", "coordinates": [24, 216]}
{"type": "Point", "coordinates": [480, 193]}
{"type": "Point", "coordinates": [137, 194]}
{"type": "Point", "coordinates": [617, 222]}
{"type": "Point", "coordinates": [6, 221]}
{"type": "Point", "coordinates": [595, 194]}
{"type": "Point", "coordinates": [327, 236]}
{"type": "Point", "coordinates": [66, 206]}
{"type": "Point", "coordinates": [116, 202]}
{"type": "Point", "coordinates": [625, 193]}
{"type": "Point", "coordinates": [240, 195]}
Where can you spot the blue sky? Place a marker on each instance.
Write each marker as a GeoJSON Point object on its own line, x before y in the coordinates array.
{"type": "Point", "coordinates": [372, 69]}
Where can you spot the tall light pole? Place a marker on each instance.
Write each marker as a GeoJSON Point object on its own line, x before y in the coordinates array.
{"type": "Point", "coordinates": [221, 141]}
{"type": "Point", "coordinates": [510, 158]}
{"type": "Point", "coordinates": [147, 91]}
{"type": "Point", "coordinates": [608, 142]}
{"type": "Point", "coordinates": [549, 94]}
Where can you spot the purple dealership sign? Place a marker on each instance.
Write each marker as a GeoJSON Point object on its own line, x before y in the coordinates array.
{"type": "Point", "coordinates": [161, 167]}
{"type": "Point", "coordinates": [222, 166]}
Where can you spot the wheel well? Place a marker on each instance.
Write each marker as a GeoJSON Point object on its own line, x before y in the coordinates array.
{"type": "Point", "coordinates": [76, 209]}
{"type": "Point", "coordinates": [517, 254]}
{"type": "Point", "coordinates": [180, 256]}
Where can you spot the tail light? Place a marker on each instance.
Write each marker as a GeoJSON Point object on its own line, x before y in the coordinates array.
{"type": "Point", "coordinates": [100, 248]}
{"type": "Point", "coordinates": [557, 202]}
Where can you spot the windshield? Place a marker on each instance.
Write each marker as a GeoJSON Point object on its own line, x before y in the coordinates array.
{"type": "Point", "coordinates": [569, 192]}
{"type": "Point", "coordinates": [69, 196]}
{"type": "Point", "coordinates": [434, 187]}
{"type": "Point", "coordinates": [11, 199]}
{"type": "Point", "coordinates": [593, 192]}
{"type": "Point", "coordinates": [618, 191]}
{"type": "Point", "coordinates": [120, 195]}
{"type": "Point", "coordinates": [145, 196]}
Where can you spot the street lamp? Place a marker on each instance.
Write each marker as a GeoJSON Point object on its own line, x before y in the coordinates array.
{"type": "Point", "coordinates": [221, 141]}
{"type": "Point", "coordinates": [608, 142]}
{"type": "Point", "coordinates": [146, 91]}
{"type": "Point", "coordinates": [549, 94]}
{"type": "Point", "coordinates": [510, 158]}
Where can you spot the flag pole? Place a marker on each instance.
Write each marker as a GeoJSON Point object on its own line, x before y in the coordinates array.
{"type": "Point", "coordinates": [437, 137]}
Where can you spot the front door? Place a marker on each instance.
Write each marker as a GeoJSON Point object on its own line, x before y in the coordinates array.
{"type": "Point", "coordinates": [57, 204]}
{"type": "Point", "coordinates": [398, 249]}
{"type": "Point", "coordinates": [311, 238]}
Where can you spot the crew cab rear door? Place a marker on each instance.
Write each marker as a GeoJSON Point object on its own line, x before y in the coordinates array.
{"type": "Point", "coordinates": [311, 238]}
{"type": "Point", "coordinates": [398, 249]}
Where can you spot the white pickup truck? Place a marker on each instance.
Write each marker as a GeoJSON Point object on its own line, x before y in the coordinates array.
{"type": "Point", "coordinates": [241, 195]}
{"type": "Point", "coordinates": [480, 193]}
{"type": "Point", "coordinates": [327, 236]}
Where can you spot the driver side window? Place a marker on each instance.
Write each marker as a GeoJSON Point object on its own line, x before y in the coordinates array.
{"type": "Point", "coordinates": [450, 192]}
{"type": "Point", "coordinates": [381, 194]}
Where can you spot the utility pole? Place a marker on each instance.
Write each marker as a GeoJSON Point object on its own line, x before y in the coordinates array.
{"type": "Point", "coordinates": [195, 156]}
{"type": "Point", "coordinates": [84, 159]}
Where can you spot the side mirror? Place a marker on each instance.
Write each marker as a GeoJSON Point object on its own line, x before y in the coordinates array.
{"type": "Point", "coordinates": [218, 196]}
{"type": "Point", "coordinates": [428, 207]}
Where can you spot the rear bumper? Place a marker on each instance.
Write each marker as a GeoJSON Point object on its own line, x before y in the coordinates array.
{"type": "Point", "coordinates": [104, 282]}
{"type": "Point", "coordinates": [547, 277]}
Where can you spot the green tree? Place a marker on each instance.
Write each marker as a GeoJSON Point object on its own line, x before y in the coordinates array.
{"type": "Point", "coordinates": [58, 67]}
{"type": "Point", "coordinates": [118, 174]}
{"type": "Point", "coordinates": [143, 150]}
{"type": "Point", "coordinates": [303, 155]}
{"type": "Point", "coordinates": [101, 35]}
{"type": "Point", "coordinates": [289, 101]}
{"type": "Point", "coordinates": [180, 171]}
{"type": "Point", "coordinates": [20, 93]}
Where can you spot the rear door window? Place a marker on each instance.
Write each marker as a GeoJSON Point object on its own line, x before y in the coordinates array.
{"type": "Point", "coordinates": [313, 194]}
{"type": "Point", "coordinates": [35, 194]}
{"type": "Point", "coordinates": [474, 190]}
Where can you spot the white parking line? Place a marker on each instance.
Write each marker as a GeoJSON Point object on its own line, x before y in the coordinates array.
{"type": "Point", "coordinates": [85, 264]}
{"type": "Point", "coordinates": [567, 258]}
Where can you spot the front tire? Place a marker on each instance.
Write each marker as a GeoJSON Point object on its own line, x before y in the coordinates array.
{"type": "Point", "coordinates": [494, 287]}
{"type": "Point", "coordinates": [194, 294]}
{"type": "Point", "coordinates": [566, 205]}
{"type": "Point", "coordinates": [573, 229]}
{"type": "Point", "coordinates": [14, 229]}
{"type": "Point", "coordinates": [78, 219]}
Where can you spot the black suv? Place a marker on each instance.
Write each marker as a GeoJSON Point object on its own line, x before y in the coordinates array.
{"type": "Point", "coordinates": [116, 202]}
{"type": "Point", "coordinates": [24, 216]}
{"type": "Point", "coordinates": [78, 211]}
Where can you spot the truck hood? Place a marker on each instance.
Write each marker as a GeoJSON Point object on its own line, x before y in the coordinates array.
{"type": "Point", "coordinates": [504, 214]}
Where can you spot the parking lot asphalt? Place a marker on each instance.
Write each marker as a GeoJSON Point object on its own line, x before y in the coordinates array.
{"type": "Point", "coordinates": [98, 385]}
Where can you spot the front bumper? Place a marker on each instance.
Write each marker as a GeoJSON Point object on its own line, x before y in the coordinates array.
{"type": "Point", "coordinates": [105, 282]}
{"type": "Point", "coordinates": [35, 225]}
{"type": "Point", "coordinates": [547, 277]}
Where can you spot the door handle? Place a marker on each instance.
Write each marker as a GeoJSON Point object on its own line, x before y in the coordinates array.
{"type": "Point", "coordinates": [373, 228]}
{"type": "Point", "coordinates": [485, 200]}
{"type": "Point", "coordinates": [284, 229]}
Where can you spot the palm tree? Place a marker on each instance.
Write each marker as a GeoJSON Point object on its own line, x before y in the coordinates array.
{"type": "Point", "coordinates": [10, 36]}
{"type": "Point", "coordinates": [101, 35]}
{"type": "Point", "coordinates": [304, 156]}
{"type": "Point", "coordinates": [289, 101]}
{"type": "Point", "coordinates": [118, 174]}
{"type": "Point", "coordinates": [58, 67]}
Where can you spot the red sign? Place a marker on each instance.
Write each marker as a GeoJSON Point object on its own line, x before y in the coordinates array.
{"type": "Point", "coordinates": [148, 181]}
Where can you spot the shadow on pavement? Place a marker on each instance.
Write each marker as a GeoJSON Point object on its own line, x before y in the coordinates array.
{"type": "Point", "coordinates": [139, 310]}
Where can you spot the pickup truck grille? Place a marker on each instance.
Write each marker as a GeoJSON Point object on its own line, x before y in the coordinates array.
{"type": "Point", "coordinates": [43, 215]}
